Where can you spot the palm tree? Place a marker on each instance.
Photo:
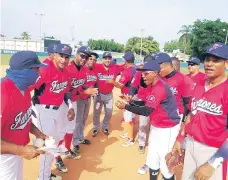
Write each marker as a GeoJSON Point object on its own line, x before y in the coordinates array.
{"type": "Point", "coordinates": [185, 35]}
{"type": "Point", "coordinates": [25, 36]}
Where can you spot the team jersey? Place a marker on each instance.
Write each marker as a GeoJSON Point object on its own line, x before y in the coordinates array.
{"type": "Point", "coordinates": [106, 74]}
{"type": "Point", "coordinates": [209, 114]}
{"type": "Point", "coordinates": [197, 78]}
{"type": "Point", "coordinates": [55, 84]}
{"type": "Point", "coordinates": [91, 80]}
{"type": "Point", "coordinates": [126, 78]}
{"type": "Point", "coordinates": [136, 83]}
{"type": "Point", "coordinates": [47, 61]}
{"type": "Point", "coordinates": [160, 98]}
{"type": "Point", "coordinates": [16, 113]}
{"type": "Point", "coordinates": [77, 78]}
{"type": "Point", "coordinates": [181, 86]}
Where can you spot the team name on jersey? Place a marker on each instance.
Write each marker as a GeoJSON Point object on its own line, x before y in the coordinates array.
{"type": "Point", "coordinates": [20, 121]}
{"type": "Point", "coordinates": [105, 77]}
{"type": "Point", "coordinates": [58, 87]}
{"type": "Point", "coordinates": [206, 106]}
{"type": "Point", "coordinates": [77, 82]}
{"type": "Point", "coordinates": [174, 90]}
{"type": "Point", "coordinates": [91, 78]}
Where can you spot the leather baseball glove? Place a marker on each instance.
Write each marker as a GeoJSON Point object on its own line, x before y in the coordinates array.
{"type": "Point", "coordinates": [175, 162]}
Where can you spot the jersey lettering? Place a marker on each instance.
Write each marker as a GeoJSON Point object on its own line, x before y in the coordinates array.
{"type": "Point", "coordinates": [21, 121]}
{"type": "Point", "coordinates": [105, 77]}
{"type": "Point", "coordinates": [174, 90]}
{"type": "Point", "coordinates": [76, 83]}
{"type": "Point", "coordinates": [91, 78]}
{"type": "Point", "coordinates": [58, 87]}
{"type": "Point", "coordinates": [206, 106]}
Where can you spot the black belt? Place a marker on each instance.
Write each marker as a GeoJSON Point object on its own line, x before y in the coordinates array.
{"type": "Point", "coordinates": [51, 107]}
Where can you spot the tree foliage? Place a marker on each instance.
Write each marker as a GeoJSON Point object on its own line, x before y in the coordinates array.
{"type": "Point", "coordinates": [149, 45]}
{"type": "Point", "coordinates": [105, 45]}
{"type": "Point", "coordinates": [25, 36]}
{"type": "Point", "coordinates": [172, 45]}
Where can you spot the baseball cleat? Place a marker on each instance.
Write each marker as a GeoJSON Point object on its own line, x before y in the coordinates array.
{"type": "Point", "coordinates": [95, 132]}
{"type": "Point", "coordinates": [124, 136]}
{"type": "Point", "coordinates": [72, 155]}
{"type": "Point", "coordinates": [141, 149]}
{"type": "Point", "coordinates": [76, 149]}
{"type": "Point", "coordinates": [143, 170]}
{"type": "Point", "coordinates": [85, 141]}
{"type": "Point", "coordinates": [105, 131]}
{"type": "Point", "coordinates": [55, 177]}
{"type": "Point", "coordinates": [60, 166]}
{"type": "Point", "coordinates": [128, 143]}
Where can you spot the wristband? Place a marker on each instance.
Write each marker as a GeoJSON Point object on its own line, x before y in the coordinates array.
{"type": "Point", "coordinates": [216, 163]}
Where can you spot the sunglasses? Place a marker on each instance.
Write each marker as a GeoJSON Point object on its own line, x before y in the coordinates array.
{"type": "Point", "coordinates": [83, 56]}
{"type": "Point", "coordinates": [192, 64]}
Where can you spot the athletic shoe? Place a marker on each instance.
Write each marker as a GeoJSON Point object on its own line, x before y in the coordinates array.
{"type": "Point", "coordinates": [143, 170]}
{"type": "Point", "coordinates": [141, 149]}
{"type": "Point", "coordinates": [72, 155]}
{"type": "Point", "coordinates": [95, 132]}
{"type": "Point", "coordinates": [55, 177]}
{"type": "Point", "coordinates": [85, 141]}
{"type": "Point", "coordinates": [124, 136]}
{"type": "Point", "coordinates": [60, 166]}
{"type": "Point", "coordinates": [105, 131]}
{"type": "Point", "coordinates": [76, 149]}
{"type": "Point", "coordinates": [128, 143]}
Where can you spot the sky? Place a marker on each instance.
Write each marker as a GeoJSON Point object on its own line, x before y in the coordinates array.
{"type": "Point", "coordinates": [106, 19]}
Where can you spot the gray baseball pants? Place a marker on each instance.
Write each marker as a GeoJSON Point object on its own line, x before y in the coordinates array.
{"type": "Point", "coordinates": [83, 106]}
{"type": "Point", "coordinates": [105, 100]}
{"type": "Point", "coordinates": [143, 122]}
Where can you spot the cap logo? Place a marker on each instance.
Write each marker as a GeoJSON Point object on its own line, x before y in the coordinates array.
{"type": "Point", "coordinates": [65, 48]}
{"type": "Point", "coordinates": [215, 46]}
{"type": "Point", "coordinates": [54, 47]}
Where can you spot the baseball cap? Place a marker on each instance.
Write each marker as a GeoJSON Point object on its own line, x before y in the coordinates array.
{"type": "Point", "coordinates": [194, 60]}
{"type": "Point", "coordinates": [84, 49]}
{"type": "Point", "coordinates": [114, 61]}
{"type": "Point", "coordinates": [63, 49]}
{"type": "Point", "coordinates": [107, 54]}
{"type": "Point", "coordinates": [150, 66]}
{"type": "Point", "coordinates": [25, 60]}
{"type": "Point", "coordinates": [95, 54]}
{"type": "Point", "coordinates": [129, 56]}
{"type": "Point", "coordinates": [162, 57]}
{"type": "Point", "coordinates": [51, 48]}
{"type": "Point", "coordinates": [217, 49]}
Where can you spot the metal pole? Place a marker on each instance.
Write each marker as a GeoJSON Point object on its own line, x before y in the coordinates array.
{"type": "Point", "coordinates": [40, 14]}
{"type": "Point", "coordinates": [226, 36]}
{"type": "Point", "coordinates": [141, 43]}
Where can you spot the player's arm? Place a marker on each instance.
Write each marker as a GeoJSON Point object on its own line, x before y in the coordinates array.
{"type": "Point", "coordinates": [140, 110]}
{"type": "Point", "coordinates": [35, 131]}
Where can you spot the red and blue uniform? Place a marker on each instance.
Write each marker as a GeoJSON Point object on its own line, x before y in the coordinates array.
{"type": "Point", "coordinates": [197, 78]}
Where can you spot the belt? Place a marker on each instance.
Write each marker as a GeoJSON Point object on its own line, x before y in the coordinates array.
{"type": "Point", "coordinates": [106, 93]}
{"type": "Point", "coordinates": [51, 107]}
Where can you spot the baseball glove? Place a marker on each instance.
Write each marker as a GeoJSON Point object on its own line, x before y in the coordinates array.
{"type": "Point", "coordinates": [175, 162]}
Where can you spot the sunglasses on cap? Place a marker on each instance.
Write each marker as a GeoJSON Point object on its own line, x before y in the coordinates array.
{"type": "Point", "coordinates": [83, 56]}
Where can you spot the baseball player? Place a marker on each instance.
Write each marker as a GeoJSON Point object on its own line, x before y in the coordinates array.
{"type": "Point", "coordinates": [194, 70]}
{"type": "Point", "coordinates": [176, 63]}
{"type": "Point", "coordinates": [106, 73]}
{"type": "Point", "coordinates": [48, 106]}
{"type": "Point", "coordinates": [206, 126]}
{"type": "Point", "coordinates": [94, 56]}
{"type": "Point", "coordinates": [124, 84]}
{"type": "Point", "coordinates": [161, 107]}
{"type": "Point", "coordinates": [78, 79]}
{"type": "Point", "coordinates": [51, 50]}
{"type": "Point", "coordinates": [16, 113]}
{"type": "Point", "coordinates": [83, 104]}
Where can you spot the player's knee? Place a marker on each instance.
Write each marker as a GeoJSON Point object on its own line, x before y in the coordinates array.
{"type": "Point", "coordinates": [153, 174]}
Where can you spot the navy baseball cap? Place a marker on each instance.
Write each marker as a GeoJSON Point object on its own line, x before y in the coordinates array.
{"type": "Point", "coordinates": [194, 60]}
{"type": "Point", "coordinates": [63, 49]}
{"type": "Point", "coordinates": [129, 56]}
{"type": "Point", "coordinates": [94, 54]}
{"type": "Point", "coordinates": [114, 61]}
{"type": "Point", "coordinates": [162, 57]}
{"type": "Point", "coordinates": [84, 49]}
{"type": "Point", "coordinates": [150, 66]}
{"type": "Point", "coordinates": [218, 49]}
{"type": "Point", "coordinates": [107, 54]}
{"type": "Point", "coordinates": [51, 48]}
{"type": "Point", "coordinates": [25, 60]}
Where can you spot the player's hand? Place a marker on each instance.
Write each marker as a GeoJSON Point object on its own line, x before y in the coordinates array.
{"type": "Point", "coordinates": [91, 91]}
{"type": "Point", "coordinates": [126, 98]}
{"type": "Point", "coordinates": [41, 136]}
{"type": "Point", "coordinates": [29, 152]}
{"type": "Point", "coordinates": [71, 114]}
{"type": "Point", "coordinates": [121, 104]}
{"type": "Point", "coordinates": [177, 147]}
{"type": "Point", "coordinates": [110, 81]}
{"type": "Point", "coordinates": [204, 172]}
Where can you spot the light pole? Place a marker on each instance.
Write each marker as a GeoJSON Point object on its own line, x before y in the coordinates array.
{"type": "Point", "coordinates": [40, 14]}
{"type": "Point", "coordinates": [141, 43]}
{"type": "Point", "coordinates": [226, 30]}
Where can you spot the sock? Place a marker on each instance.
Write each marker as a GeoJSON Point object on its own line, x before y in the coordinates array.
{"type": "Point", "coordinates": [68, 140]}
{"type": "Point", "coordinates": [153, 174]}
{"type": "Point", "coordinates": [172, 178]}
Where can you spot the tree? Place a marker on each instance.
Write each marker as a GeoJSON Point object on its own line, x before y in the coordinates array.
{"type": "Point", "coordinates": [80, 43]}
{"type": "Point", "coordinates": [149, 45]}
{"type": "Point", "coordinates": [172, 45]}
{"type": "Point", "coordinates": [185, 36]}
{"type": "Point", "coordinates": [25, 36]}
